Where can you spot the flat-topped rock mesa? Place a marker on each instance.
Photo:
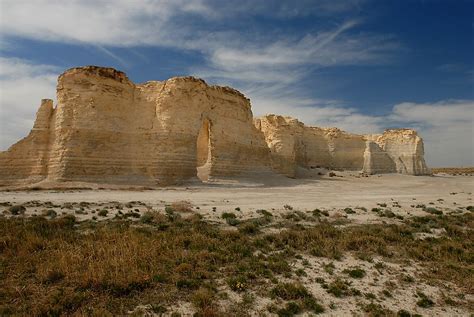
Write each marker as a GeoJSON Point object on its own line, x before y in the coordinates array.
{"type": "Point", "coordinates": [106, 129]}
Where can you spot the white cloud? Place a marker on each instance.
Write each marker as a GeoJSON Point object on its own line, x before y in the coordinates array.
{"type": "Point", "coordinates": [22, 86]}
{"type": "Point", "coordinates": [446, 126]}
{"type": "Point", "coordinates": [286, 59]}
{"type": "Point", "coordinates": [103, 22]}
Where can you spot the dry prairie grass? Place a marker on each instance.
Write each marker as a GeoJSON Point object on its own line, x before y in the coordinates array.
{"type": "Point", "coordinates": [54, 267]}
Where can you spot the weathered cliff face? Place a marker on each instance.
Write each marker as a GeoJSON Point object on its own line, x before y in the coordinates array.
{"type": "Point", "coordinates": [405, 148]}
{"type": "Point", "coordinates": [106, 129]}
{"type": "Point", "coordinates": [376, 160]}
{"type": "Point", "coordinates": [293, 145]}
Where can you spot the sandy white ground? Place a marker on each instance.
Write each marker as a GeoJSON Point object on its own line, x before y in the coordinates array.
{"type": "Point", "coordinates": [327, 192]}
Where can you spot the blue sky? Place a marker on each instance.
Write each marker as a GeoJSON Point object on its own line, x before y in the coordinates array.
{"type": "Point", "coordinates": [361, 65]}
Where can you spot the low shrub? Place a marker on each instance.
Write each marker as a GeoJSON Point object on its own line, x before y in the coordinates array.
{"type": "Point", "coordinates": [17, 209]}
{"type": "Point", "coordinates": [349, 210]}
{"type": "Point", "coordinates": [432, 210]}
{"type": "Point", "coordinates": [355, 272]}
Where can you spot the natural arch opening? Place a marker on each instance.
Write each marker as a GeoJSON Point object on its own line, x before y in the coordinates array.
{"type": "Point", "coordinates": [203, 151]}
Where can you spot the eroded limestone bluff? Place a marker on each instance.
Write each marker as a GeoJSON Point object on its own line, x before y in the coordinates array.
{"type": "Point", "coordinates": [293, 145]}
{"type": "Point", "coordinates": [106, 129]}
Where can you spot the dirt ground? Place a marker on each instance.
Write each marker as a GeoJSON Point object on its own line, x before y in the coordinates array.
{"type": "Point", "coordinates": [405, 196]}
{"type": "Point", "coordinates": [344, 190]}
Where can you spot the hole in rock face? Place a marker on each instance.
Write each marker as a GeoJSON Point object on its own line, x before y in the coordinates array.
{"type": "Point", "coordinates": [203, 151]}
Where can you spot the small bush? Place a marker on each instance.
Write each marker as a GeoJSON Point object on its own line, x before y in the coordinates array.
{"type": "Point", "coordinates": [311, 304]}
{"type": "Point", "coordinates": [403, 313]}
{"type": "Point", "coordinates": [374, 309]}
{"type": "Point", "coordinates": [203, 298]}
{"type": "Point", "coordinates": [147, 218]}
{"type": "Point", "coordinates": [433, 211]}
{"type": "Point", "coordinates": [317, 213]}
{"type": "Point", "coordinates": [187, 284]}
{"type": "Point", "coordinates": [103, 213]}
{"type": "Point", "coordinates": [265, 213]}
{"type": "Point", "coordinates": [232, 221]}
{"type": "Point", "coordinates": [425, 301]}
{"type": "Point", "coordinates": [349, 210]}
{"type": "Point", "coordinates": [227, 215]}
{"type": "Point", "coordinates": [249, 228]}
{"type": "Point", "coordinates": [238, 283]}
{"type": "Point", "coordinates": [16, 210]}
{"type": "Point", "coordinates": [355, 272]}
{"type": "Point", "coordinates": [329, 268]}
{"type": "Point", "coordinates": [387, 213]}
{"type": "Point", "coordinates": [290, 309]}
{"type": "Point", "coordinates": [132, 214]}
{"type": "Point", "coordinates": [290, 291]}
{"type": "Point", "coordinates": [339, 288]}
{"type": "Point", "coordinates": [387, 293]}
{"type": "Point", "coordinates": [230, 218]}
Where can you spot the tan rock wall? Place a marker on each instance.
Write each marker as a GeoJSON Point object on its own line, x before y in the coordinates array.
{"type": "Point", "coordinates": [376, 160]}
{"type": "Point", "coordinates": [106, 129]}
{"type": "Point", "coordinates": [293, 145]}
{"type": "Point", "coordinates": [406, 149]}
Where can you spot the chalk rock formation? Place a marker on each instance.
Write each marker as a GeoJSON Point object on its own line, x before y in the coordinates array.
{"type": "Point", "coordinates": [405, 148]}
{"type": "Point", "coordinates": [106, 129]}
{"type": "Point", "coordinates": [376, 160]}
{"type": "Point", "coordinates": [293, 145]}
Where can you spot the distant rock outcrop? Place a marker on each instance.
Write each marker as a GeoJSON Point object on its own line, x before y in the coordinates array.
{"type": "Point", "coordinates": [293, 145]}
{"type": "Point", "coordinates": [405, 148]}
{"type": "Point", "coordinates": [106, 129]}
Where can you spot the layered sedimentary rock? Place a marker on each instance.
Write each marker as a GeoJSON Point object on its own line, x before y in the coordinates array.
{"type": "Point", "coordinates": [106, 129]}
{"type": "Point", "coordinates": [405, 148]}
{"type": "Point", "coordinates": [376, 160]}
{"type": "Point", "coordinates": [293, 145]}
